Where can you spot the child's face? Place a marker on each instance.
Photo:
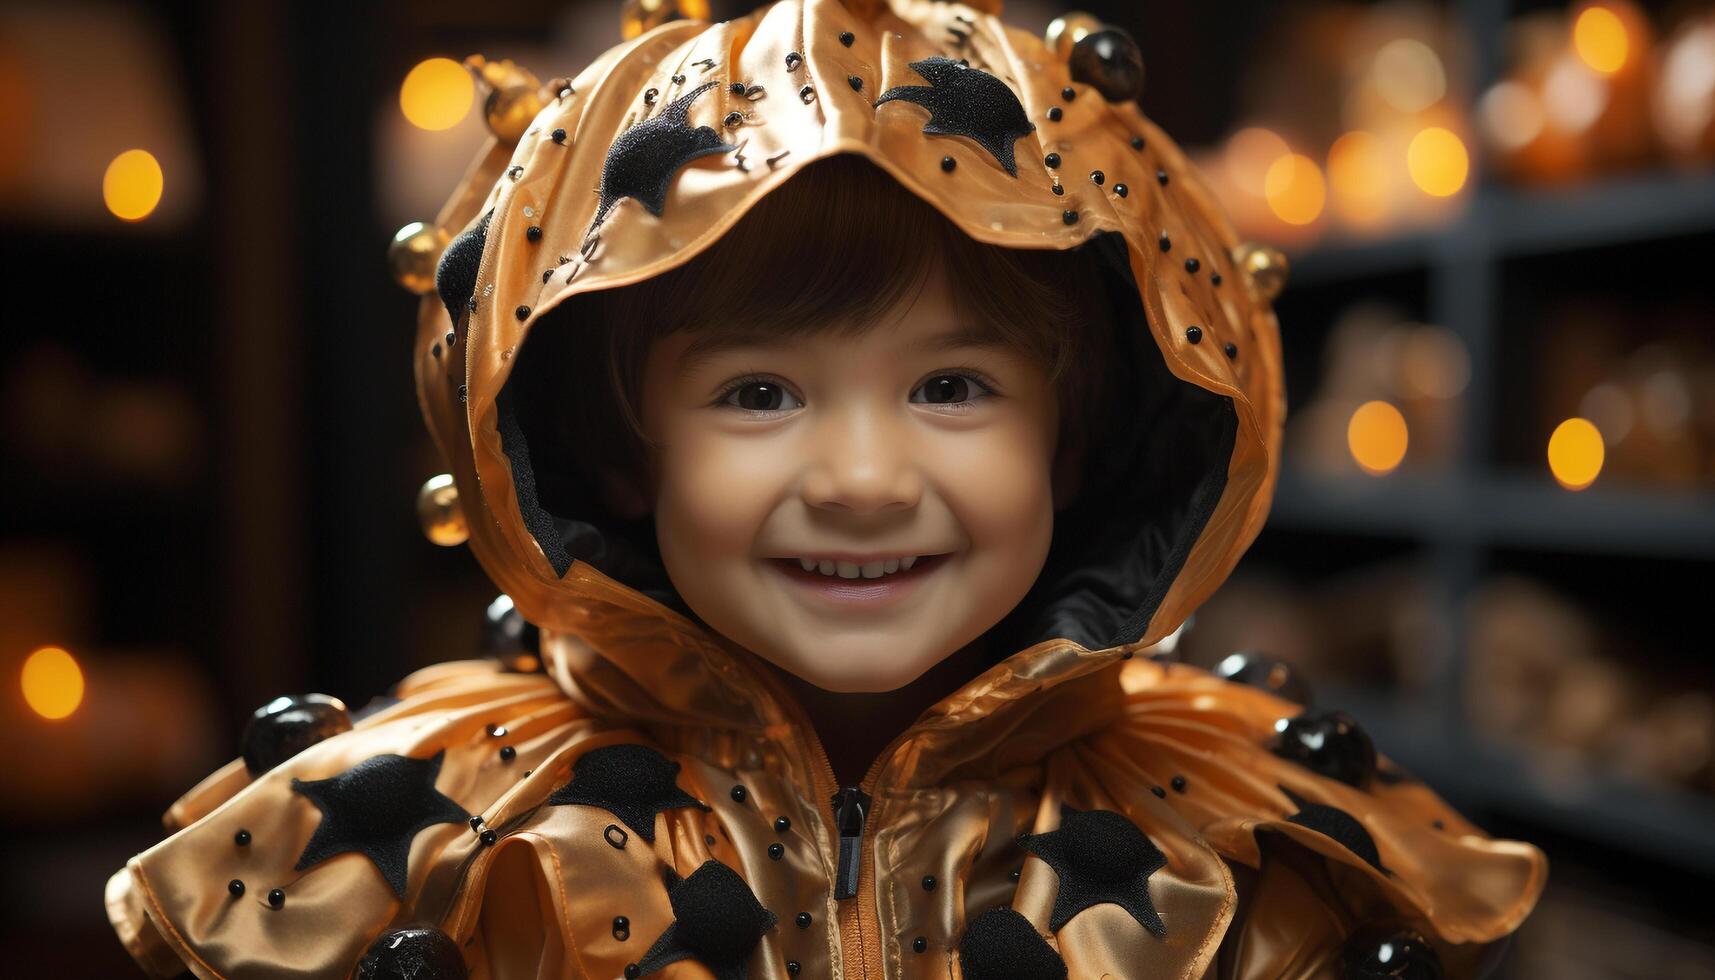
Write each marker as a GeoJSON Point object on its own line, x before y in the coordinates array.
{"type": "Point", "coordinates": [875, 445]}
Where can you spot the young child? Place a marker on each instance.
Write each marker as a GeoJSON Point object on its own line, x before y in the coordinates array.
{"type": "Point", "coordinates": [849, 393]}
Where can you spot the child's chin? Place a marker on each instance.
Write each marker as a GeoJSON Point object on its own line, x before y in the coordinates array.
{"type": "Point", "coordinates": [855, 674]}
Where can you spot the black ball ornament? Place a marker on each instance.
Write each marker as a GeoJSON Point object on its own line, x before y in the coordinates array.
{"type": "Point", "coordinates": [1389, 954]}
{"type": "Point", "coordinates": [288, 725]}
{"type": "Point", "coordinates": [1271, 674]}
{"type": "Point", "coordinates": [510, 638]}
{"type": "Point", "coordinates": [412, 954]}
{"type": "Point", "coordinates": [1109, 61]}
{"type": "Point", "coordinates": [1330, 743]}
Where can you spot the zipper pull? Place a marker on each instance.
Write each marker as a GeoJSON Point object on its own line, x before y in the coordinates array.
{"type": "Point", "coordinates": [851, 806]}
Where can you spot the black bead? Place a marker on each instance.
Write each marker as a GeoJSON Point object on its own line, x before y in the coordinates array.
{"type": "Point", "coordinates": [1121, 190]}
{"type": "Point", "coordinates": [1068, 93]}
{"type": "Point", "coordinates": [1161, 177]}
{"type": "Point", "coordinates": [547, 274]}
{"type": "Point", "coordinates": [1178, 784]}
{"type": "Point", "coordinates": [1054, 113]}
{"type": "Point", "coordinates": [782, 825]}
{"type": "Point", "coordinates": [948, 163]}
{"type": "Point", "coordinates": [1058, 190]}
{"type": "Point", "coordinates": [1214, 278]}
{"type": "Point", "coordinates": [277, 897]}
{"type": "Point", "coordinates": [855, 82]}
{"type": "Point", "coordinates": [1108, 61]}
{"type": "Point", "coordinates": [476, 823]}
{"type": "Point", "coordinates": [1097, 177]}
{"type": "Point", "coordinates": [776, 850]}
{"type": "Point", "coordinates": [631, 971]}
{"type": "Point", "coordinates": [418, 953]}
{"type": "Point", "coordinates": [1137, 142]}
{"type": "Point", "coordinates": [242, 838]}
{"type": "Point", "coordinates": [488, 838]}
{"type": "Point", "coordinates": [709, 839]}
{"type": "Point", "coordinates": [507, 635]}
{"type": "Point", "coordinates": [235, 888]}
{"type": "Point", "coordinates": [1232, 350]}
{"type": "Point", "coordinates": [678, 79]}
{"type": "Point", "coordinates": [1374, 953]}
{"type": "Point", "coordinates": [1330, 743]}
{"type": "Point", "coordinates": [928, 883]}
{"type": "Point", "coordinates": [737, 88]}
{"type": "Point", "coordinates": [1159, 792]}
{"type": "Point", "coordinates": [508, 753]}
{"type": "Point", "coordinates": [793, 60]}
{"type": "Point", "coordinates": [1194, 334]}
{"type": "Point", "coordinates": [515, 171]}
{"type": "Point", "coordinates": [1166, 243]}
{"type": "Point", "coordinates": [534, 233]}
{"type": "Point", "coordinates": [1052, 159]}
{"type": "Point", "coordinates": [919, 944]}
{"type": "Point", "coordinates": [739, 794]}
{"type": "Point", "coordinates": [803, 920]}
{"type": "Point", "coordinates": [451, 338]}
{"type": "Point", "coordinates": [792, 968]}
{"type": "Point", "coordinates": [1070, 217]}
{"type": "Point", "coordinates": [522, 312]}
{"type": "Point", "coordinates": [286, 726]}
{"type": "Point", "coordinates": [621, 928]}
{"type": "Point", "coordinates": [733, 119]}
{"type": "Point", "coordinates": [1255, 669]}
{"type": "Point", "coordinates": [846, 38]}
{"type": "Point", "coordinates": [1192, 265]}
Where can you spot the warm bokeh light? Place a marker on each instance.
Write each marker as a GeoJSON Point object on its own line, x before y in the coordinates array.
{"type": "Point", "coordinates": [1512, 115]}
{"type": "Point", "coordinates": [1377, 437]}
{"type": "Point", "coordinates": [1408, 75]}
{"type": "Point", "coordinates": [437, 94]}
{"type": "Point", "coordinates": [52, 682]}
{"type": "Point", "coordinates": [132, 185]}
{"type": "Point", "coordinates": [1438, 161]}
{"type": "Point", "coordinates": [1295, 189]}
{"type": "Point", "coordinates": [1249, 154]}
{"type": "Point", "coordinates": [1357, 177]}
{"type": "Point", "coordinates": [1573, 95]}
{"type": "Point", "coordinates": [1575, 453]}
{"type": "Point", "coordinates": [1599, 37]}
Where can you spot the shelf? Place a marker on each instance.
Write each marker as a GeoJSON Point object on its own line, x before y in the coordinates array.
{"type": "Point", "coordinates": [1504, 511]}
{"type": "Point", "coordinates": [1663, 823]}
{"type": "Point", "coordinates": [1508, 222]}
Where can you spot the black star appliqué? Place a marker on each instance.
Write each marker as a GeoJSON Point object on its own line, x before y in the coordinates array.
{"type": "Point", "coordinates": [716, 920]}
{"type": "Point", "coordinates": [1001, 944]}
{"type": "Point", "coordinates": [969, 102]}
{"type": "Point", "coordinates": [455, 274]}
{"type": "Point", "coordinates": [375, 808]}
{"type": "Point", "coordinates": [633, 782]}
{"type": "Point", "coordinates": [1100, 857]}
{"type": "Point", "coordinates": [1338, 824]}
{"type": "Point", "coordinates": [642, 161]}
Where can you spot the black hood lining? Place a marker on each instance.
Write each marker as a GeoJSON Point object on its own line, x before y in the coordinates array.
{"type": "Point", "coordinates": [1150, 484]}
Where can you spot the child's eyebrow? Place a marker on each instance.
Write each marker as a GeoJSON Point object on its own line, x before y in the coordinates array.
{"type": "Point", "coordinates": [716, 342]}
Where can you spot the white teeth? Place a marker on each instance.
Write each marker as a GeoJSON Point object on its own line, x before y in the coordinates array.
{"type": "Point", "coordinates": [826, 566]}
{"type": "Point", "coordinates": [809, 566]}
{"type": "Point", "coordinates": [872, 569]}
{"type": "Point", "coordinates": [890, 566]}
{"type": "Point", "coordinates": [848, 569]}
{"type": "Point", "coordinates": [907, 562]}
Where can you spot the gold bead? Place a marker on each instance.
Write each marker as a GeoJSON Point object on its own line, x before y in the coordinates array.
{"type": "Point", "coordinates": [514, 96]}
{"type": "Point", "coordinates": [1265, 266]}
{"type": "Point", "coordinates": [439, 511]}
{"type": "Point", "coordinates": [415, 252]}
{"type": "Point", "coordinates": [1067, 30]}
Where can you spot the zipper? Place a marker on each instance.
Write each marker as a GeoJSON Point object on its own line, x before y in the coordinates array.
{"type": "Point", "coordinates": [854, 884]}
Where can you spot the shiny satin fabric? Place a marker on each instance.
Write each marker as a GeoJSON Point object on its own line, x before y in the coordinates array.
{"type": "Point", "coordinates": [1245, 894]}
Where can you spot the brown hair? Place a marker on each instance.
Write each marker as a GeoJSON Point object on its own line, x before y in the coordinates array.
{"type": "Point", "coordinates": [832, 249]}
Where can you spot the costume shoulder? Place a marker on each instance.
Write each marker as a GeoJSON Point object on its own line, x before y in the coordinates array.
{"type": "Point", "coordinates": [302, 869]}
{"type": "Point", "coordinates": [1336, 851]}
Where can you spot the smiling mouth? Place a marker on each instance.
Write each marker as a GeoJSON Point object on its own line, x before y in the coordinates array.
{"type": "Point", "coordinates": [860, 591]}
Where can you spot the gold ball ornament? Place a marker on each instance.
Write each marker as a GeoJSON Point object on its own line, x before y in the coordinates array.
{"type": "Point", "coordinates": [638, 16]}
{"type": "Point", "coordinates": [439, 511]}
{"type": "Point", "coordinates": [1265, 267]}
{"type": "Point", "coordinates": [514, 96]}
{"type": "Point", "coordinates": [415, 252]}
{"type": "Point", "coordinates": [1066, 30]}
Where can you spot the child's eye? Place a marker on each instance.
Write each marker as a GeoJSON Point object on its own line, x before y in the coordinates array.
{"type": "Point", "coordinates": [954, 388]}
{"type": "Point", "coordinates": [759, 395]}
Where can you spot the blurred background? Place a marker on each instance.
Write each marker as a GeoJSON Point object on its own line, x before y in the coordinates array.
{"type": "Point", "coordinates": [1493, 538]}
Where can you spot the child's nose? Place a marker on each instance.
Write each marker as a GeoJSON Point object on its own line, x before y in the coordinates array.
{"type": "Point", "coordinates": [863, 466]}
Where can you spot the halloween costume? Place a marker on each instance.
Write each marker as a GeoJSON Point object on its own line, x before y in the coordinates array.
{"type": "Point", "coordinates": [654, 802]}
